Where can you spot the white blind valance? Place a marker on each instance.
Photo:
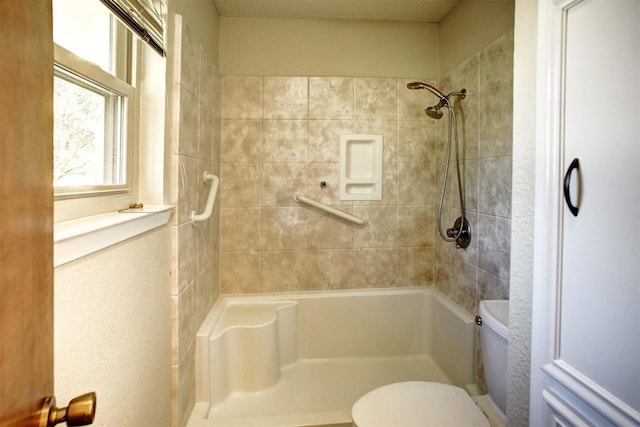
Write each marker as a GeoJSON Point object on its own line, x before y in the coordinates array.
{"type": "Point", "coordinates": [143, 17]}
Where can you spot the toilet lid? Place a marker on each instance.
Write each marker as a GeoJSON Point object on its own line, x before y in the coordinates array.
{"type": "Point", "coordinates": [417, 404]}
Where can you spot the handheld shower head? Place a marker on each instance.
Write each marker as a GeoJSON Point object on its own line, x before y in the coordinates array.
{"type": "Point", "coordinates": [421, 85]}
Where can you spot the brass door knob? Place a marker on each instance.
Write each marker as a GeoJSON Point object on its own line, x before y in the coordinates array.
{"type": "Point", "coordinates": [80, 412]}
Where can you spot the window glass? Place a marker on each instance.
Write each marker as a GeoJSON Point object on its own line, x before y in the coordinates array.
{"type": "Point", "coordinates": [87, 133]}
{"type": "Point", "coordinates": [93, 106]}
{"type": "Point", "coordinates": [84, 27]}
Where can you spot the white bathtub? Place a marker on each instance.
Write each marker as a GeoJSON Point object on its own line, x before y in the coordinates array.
{"type": "Point", "coordinates": [304, 359]}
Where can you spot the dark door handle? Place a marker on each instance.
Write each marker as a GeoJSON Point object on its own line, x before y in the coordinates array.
{"type": "Point", "coordinates": [575, 164]}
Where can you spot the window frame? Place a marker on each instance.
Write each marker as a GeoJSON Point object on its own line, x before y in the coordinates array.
{"type": "Point", "coordinates": [81, 201]}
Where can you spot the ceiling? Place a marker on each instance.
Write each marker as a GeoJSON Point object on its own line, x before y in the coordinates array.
{"type": "Point", "coordinates": [375, 10]}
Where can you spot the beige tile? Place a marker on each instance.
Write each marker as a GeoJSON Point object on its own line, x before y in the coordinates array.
{"type": "Point", "coordinates": [331, 97]}
{"type": "Point", "coordinates": [241, 97]}
{"type": "Point", "coordinates": [416, 183]}
{"type": "Point", "coordinates": [206, 138]}
{"type": "Point", "coordinates": [415, 266]}
{"type": "Point", "coordinates": [186, 307]}
{"type": "Point", "coordinates": [184, 248]}
{"type": "Point", "coordinates": [208, 79]}
{"type": "Point", "coordinates": [324, 139]}
{"type": "Point", "coordinates": [491, 287]}
{"type": "Point", "coordinates": [189, 61]}
{"type": "Point", "coordinates": [416, 141]}
{"type": "Point", "coordinates": [281, 181]}
{"type": "Point", "coordinates": [284, 271]}
{"type": "Point", "coordinates": [285, 98]}
{"type": "Point", "coordinates": [375, 268]}
{"type": "Point", "coordinates": [240, 229]}
{"type": "Point", "coordinates": [240, 184]}
{"type": "Point", "coordinates": [285, 141]}
{"type": "Point", "coordinates": [330, 269]}
{"type": "Point", "coordinates": [494, 245]}
{"type": "Point", "coordinates": [442, 271]}
{"type": "Point", "coordinates": [284, 228]}
{"type": "Point", "coordinates": [494, 194]}
{"type": "Point", "coordinates": [206, 237]}
{"type": "Point", "coordinates": [495, 70]}
{"type": "Point", "coordinates": [241, 141]}
{"type": "Point", "coordinates": [188, 127]}
{"type": "Point", "coordinates": [208, 291]}
{"type": "Point", "coordinates": [465, 76]}
{"type": "Point", "coordinates": [463, 285]}
{"type": "Point", "coordinates": [380, 230]}
{"type": "Point", "coordinates": [495, 130]}
{"type": "Point", "coordinates": [415, 225]}
{"type": "Point", "coordinates": [468, 132]}
{"type": "Point", "coordinates": [376, 99]}
{"type": "Point", "coordinates": [327, 231]}
{"type": "Point", "coordinates": [241, 272]}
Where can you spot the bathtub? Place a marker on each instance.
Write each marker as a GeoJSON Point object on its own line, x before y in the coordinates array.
{"type": "Point", "coordinates": [304, 359]}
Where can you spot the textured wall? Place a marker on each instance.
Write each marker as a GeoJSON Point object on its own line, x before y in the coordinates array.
{"type": "Point", "coordinates": [193, 135]}
{"type": "Point", "coordinates": [324, 47]}
{"type": "Point", "coordinates": [111, 331]}
{"type": "Point", "coordinates": [280, 135]}
{"type": "Point", "coordinates": [524, 147]}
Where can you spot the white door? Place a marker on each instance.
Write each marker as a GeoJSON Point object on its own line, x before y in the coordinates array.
{"type": "Point", "coordinates": [592, 372]}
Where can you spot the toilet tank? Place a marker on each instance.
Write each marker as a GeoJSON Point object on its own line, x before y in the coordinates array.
{"type": "Point", "coordinates": [494, 336]}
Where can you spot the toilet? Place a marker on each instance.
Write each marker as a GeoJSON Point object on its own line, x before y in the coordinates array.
{"type": "Point", "coordinates": [424, 403]}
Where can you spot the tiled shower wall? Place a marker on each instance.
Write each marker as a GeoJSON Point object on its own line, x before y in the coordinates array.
{"type": "Point", "coordinates": [280, 135]}
{"type": "Point", "coordinates": [485, 119]}
{"type": "Point", "coordinates": [194, 132]}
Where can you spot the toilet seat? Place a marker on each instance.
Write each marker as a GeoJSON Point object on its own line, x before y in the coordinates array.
{"type": "Point", "coordinates": [417, 404]}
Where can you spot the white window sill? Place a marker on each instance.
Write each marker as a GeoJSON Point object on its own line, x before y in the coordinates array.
{"type": "Point", "coordinates": [80, 237]}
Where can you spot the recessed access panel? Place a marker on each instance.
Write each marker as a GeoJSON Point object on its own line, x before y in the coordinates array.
{"type": "Point", "coordinates": [360, 167]}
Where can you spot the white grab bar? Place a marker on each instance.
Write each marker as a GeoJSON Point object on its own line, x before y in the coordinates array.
{"type": "Point", "coordinates": [300, 198]}
{"type": "Point", "coordinates": [208, 210]}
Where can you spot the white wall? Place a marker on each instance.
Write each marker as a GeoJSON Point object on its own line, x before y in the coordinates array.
{"type": "Point", "coordinates": [524, 137]}
{"type": "Point", "coordinates": [112, 331]}
{"type": "Point", "coordinates": [322, 48]}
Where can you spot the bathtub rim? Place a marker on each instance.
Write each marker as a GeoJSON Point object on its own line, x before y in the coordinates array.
{"type": "Point", "coordinates": [224, 300]}
{"type": "Point", "coordinates": [208, 326]}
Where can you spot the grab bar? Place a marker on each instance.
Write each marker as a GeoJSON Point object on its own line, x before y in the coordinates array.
{"type": "Point", "coordinates": [214, 180]}
{"type": "Point", "coordinates": [300, 198]}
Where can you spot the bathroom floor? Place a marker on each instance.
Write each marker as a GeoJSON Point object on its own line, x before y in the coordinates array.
{"type": "Point", "coordinates": [314, 392]}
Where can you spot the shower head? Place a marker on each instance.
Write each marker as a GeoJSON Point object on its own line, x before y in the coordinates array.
{"type": "Point", "coordinates": [434, 112]}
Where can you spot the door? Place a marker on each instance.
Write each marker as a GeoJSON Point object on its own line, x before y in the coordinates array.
{"type": "Point", "coordinates": [591, 372]}
{"type": "Point", "coordinates": [26, 213]}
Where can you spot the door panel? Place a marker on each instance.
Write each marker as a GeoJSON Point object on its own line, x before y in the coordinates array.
{"type": "Point", "coordinates": [600, 285]}
{"type": "Point", "coordinates": [26, 221]}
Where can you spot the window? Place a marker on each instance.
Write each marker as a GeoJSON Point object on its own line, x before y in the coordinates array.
{"type": "Point", "coordinates": [94, 134]}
